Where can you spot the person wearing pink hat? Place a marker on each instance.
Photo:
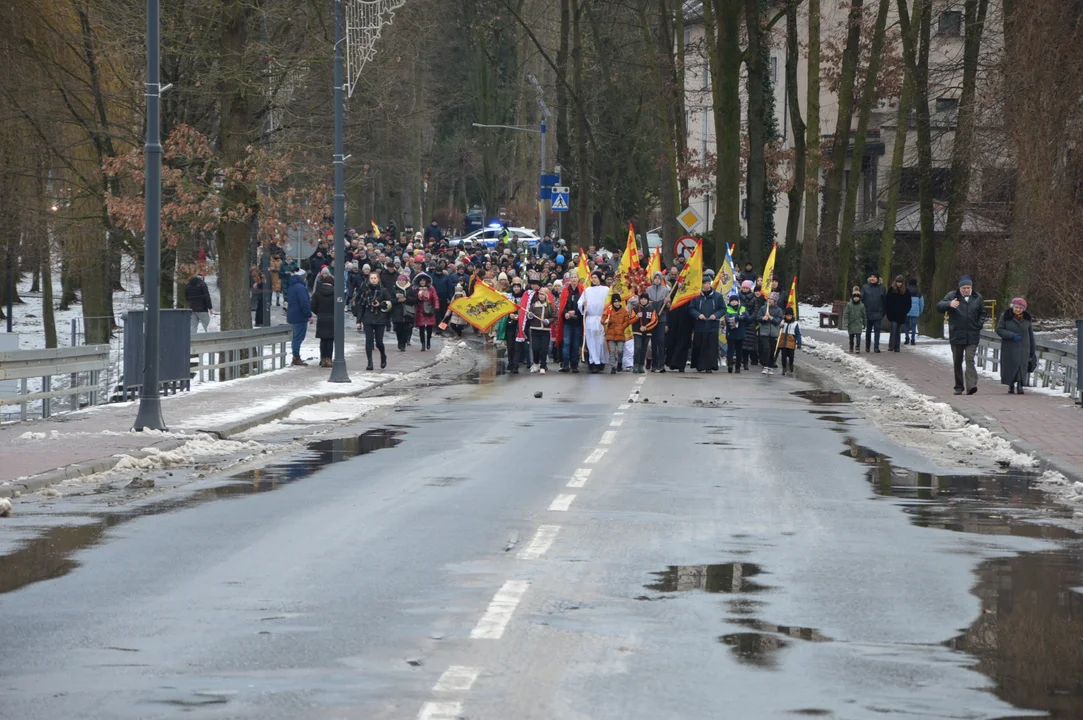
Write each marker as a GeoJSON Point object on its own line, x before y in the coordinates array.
{"type": "Point", "coordinates": [1018, 357]}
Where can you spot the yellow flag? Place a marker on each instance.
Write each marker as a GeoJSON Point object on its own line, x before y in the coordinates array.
{"type": "Point", "coordinates": [654, 264]}
{"type": "Point", "coordinates": [483, 308]}
{"type": "Point", "coordinates": [769, 270]}
{"type": "Point", "coordinates": [583, 270]}
{"type": "Point", "coordinates": [621, 282]}
{"type": "Point", "coordinates": [725, 281]}
{"type": "Point", "coordinates": [690, 281]}
{"type": "Point", "coordinates": [375, 227]}
{"type": "Point", "coordinates": [791, 302]}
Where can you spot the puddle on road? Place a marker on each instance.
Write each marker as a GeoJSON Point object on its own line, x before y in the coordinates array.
{"type": "Point", "coordinates": [1028, 638]}
{"type": "Point", "coordinates": [725, 578]}
{"type": "Point", "coordinates": [752, 648]}
{"type": "Point", "coordinates": [823, 397]}
{"type": "Point", "coordinates": [50, 555]}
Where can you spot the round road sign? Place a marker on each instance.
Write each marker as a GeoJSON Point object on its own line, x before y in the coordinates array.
{"type": "Point", "coordinates": [685, 246]}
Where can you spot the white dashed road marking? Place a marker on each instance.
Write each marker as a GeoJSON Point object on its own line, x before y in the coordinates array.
{"type": "Point", "coordinates": [457, 678]}
{"type": "Point", "coordinates": [498, 615]}
{"type": "Point", "coordinates": [580, 478]}
{"type": "Point", "coordinates": [440, 711]}
{"type": "Point", "coordinates": [595, 456]}
{"type": "Point", "coordinates": [608, 437]}
{"type": "Point", "coordinates": [562, 503]}
{"type": "Point", "coordinates": [541, 543]}
{"type": "Point", "coordinates": [616, 423]}
{"type": "Point", "coordinates": [625, 406]}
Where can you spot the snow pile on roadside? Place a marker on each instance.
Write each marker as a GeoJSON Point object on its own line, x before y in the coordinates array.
{"type": "Point", "coordinates": [340, 409]}
{"type": "Point", "coordinates": [1060, 487]}
{"type": "Point", "coordinates": [197, 450]}
{"type": "Point", "coordinates": [919, 420]}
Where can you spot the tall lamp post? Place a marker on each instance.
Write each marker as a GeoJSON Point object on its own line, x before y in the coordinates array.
{"type": "Point", "coordinates": [338, 365]}
{"type": "Point", "coordinates": [149, 416]}
{"type": "Point", "coordinates": [541, 132]}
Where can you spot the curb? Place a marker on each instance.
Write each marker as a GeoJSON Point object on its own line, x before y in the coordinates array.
{"type": "Point", "coordinates": [1046, 461]}
{"type": "Point", "coordinates": [33, 483]}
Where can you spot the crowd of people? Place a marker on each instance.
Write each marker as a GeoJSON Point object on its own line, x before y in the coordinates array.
{"type": "Point", "coordinates": [407, 282]}
{"type": "Point", "coordinates": [400, 283]}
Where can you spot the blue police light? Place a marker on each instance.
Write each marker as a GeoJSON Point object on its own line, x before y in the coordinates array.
{"type": "Point", "coordinates": [495, 225]}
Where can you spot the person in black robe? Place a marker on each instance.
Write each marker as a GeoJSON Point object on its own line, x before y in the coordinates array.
{"type": "Point", "coordinates": [706, 312]}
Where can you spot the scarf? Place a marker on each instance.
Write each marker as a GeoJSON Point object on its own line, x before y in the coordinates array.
{"type": "Point", "coordinates": [524, 308]}
{"type": "Point", "coordinates": [558, 326]}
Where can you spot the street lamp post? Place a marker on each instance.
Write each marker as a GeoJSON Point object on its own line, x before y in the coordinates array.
{"type": "Point", "coordinates": [149, 416]}
{"type": "Point", "coordinates": [338, 366]}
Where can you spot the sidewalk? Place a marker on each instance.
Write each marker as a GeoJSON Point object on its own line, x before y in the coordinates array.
{"type": "Point", "coordinates": [1050, 427]}
{"type": "Point", "coordinates": [43, 452]}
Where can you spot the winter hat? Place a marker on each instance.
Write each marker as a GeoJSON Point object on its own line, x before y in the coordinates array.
{"type": "Point", "coordinates": [788, 311]}
{"type": "Point", "coordinates": [706, 278]}
{"type": "Point", "coordinates": [502, 276]}
{"type": "Point", "coordinates": [965, 281]}
{"type": "Point", "coordinates": [403, 276]}
{"type": "Point", "coordinates": [300, 272]}
{"type": "Point", "coordinates": [1020, 301]}
{"type": "Point", "coordinates": [773, 296]}
{"type": "Point", "coordinates": [747, 285]}
{"type": "Point", "coordinates": [459, 290]}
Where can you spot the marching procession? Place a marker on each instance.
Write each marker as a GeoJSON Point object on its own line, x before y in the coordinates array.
{"type": "Point", "coordinates": [550, 308]}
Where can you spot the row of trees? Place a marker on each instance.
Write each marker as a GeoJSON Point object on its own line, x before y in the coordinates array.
{"type": "Point", "coordinates": [248, 126]}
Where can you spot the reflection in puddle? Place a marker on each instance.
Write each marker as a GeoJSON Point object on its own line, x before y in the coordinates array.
{"type": "Point", "coordinates": [725, 578]}
{"type": "Point", "coordinates": [754, 648]}
{"type": "Point", "coordinates": [823, 397]}
{"type": "Point", "coordinates": [49, 556]}
{"type": "Point", "coordinates": [1029, 636]}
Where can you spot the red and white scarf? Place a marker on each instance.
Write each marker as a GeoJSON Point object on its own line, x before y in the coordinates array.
{"type": "Point", "coordinates": [524, 308]}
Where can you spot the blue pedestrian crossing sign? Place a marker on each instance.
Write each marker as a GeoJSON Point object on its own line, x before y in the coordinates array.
{"type": "Point", "coordinates": [560, 199]}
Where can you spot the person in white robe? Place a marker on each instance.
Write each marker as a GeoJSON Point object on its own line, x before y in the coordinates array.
{"type": "Point", "coordinates": [591, 305]}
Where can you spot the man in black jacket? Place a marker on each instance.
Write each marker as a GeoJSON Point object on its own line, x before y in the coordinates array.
{"type": "Point", "coordinates": [874, 295]}
{"type": "Point", "coordinates": [198, 297]}
{"type": "Point", "coordinates": [966, 316]}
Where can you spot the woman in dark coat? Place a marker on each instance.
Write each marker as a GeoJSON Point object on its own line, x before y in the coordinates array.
{"type": "Point", "coordinates": [897, 308]}
{"type": "Point", "coordinates": [323, 307]}
{"type": "Point", "coordinates": [375, 305]}
{"type": "Point", "coordinates": [1017, 349]}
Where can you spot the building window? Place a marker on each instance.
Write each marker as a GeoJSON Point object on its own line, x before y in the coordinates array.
{"type": "Point", "coordinates": [950, 23]}
{"type": "Point", "coordinates": [909, 184]}
{"type": "Point", "coordinates": [946, 105]}
{"type": "Point", "coordinates": [774, 69]}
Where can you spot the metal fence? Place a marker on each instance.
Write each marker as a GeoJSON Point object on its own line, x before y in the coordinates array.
{"type": "Point", "coordinates": [1058, 363]}
{"type": "Point", "coordinates": [81, 366]}
{"type": "Point", "coordinates": [93, 374]}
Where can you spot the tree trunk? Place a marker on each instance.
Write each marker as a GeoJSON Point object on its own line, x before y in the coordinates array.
{"type": "Point", "coordinates": [582, 197]}
{"type": "Point", "coordinates": [48, 316]}
{"type": "Point", "coordinates": [808, 265]}
{"type": "Point", "coordinates": [724, 49]}
{"type": "Point", "coordinates": [841, 141]}
{"type": "Point", "coordinates": [849, 212]}
{"type": "Point", "coordinates": [974, 12]}
{"type": "Point", "coordinates": [757, 141]}
{"type": "Point", "coordinates": [898, 155]}
{"type": "Point", "coordinates": [797, 190]}
{"type": "Point", "coordinates": [237, 129]}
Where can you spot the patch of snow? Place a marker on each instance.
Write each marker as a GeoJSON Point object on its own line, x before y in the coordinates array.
{"type": "Point", "coordinates": [197, 450]}
{"type": "Point", "coordinates": [1054, 484]}
{"type": "Point", "coordinates": [5, 507]}
{"type": "Point", "coordinates": [941, 350]}
{"type": "Point", "coordinates": [341, 409]}
{"type": "Point", "coordinates": [919, 420]}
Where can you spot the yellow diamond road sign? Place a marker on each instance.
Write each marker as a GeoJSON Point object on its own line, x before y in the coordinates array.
{"type": "Point", "coordinates": [689, 218]}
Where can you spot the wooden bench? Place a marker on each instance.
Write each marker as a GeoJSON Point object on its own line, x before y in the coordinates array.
{"type": "Point", "coordinates": [831, 319]}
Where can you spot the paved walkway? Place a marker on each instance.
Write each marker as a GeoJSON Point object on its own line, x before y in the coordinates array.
{"type": "Point", "coordinates": [1048, 426]}
{"type": "Point", "coordinates": [37, 453]}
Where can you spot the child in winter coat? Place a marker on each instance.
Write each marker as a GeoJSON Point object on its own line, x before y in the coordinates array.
{"type": "Point", "coordinates": [917, 307]}
{"type": "Point", "coordinates": [789, 339]}
{"type": "Point", "coordinates": [616, 319]}
{"type": "Point", "coordinates": [854, 319]}
{"type": "Point", "coordinates": [736, 325]}
{"type": "Point", "coordinates": [646, 319]}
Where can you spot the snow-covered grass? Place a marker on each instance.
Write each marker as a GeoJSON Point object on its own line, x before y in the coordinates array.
{"type": "Point", "coordinates": [919, 420]}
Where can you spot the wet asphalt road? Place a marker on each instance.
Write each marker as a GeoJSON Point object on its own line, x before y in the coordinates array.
{"type": "Point", "coordinates": [765, 557]}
